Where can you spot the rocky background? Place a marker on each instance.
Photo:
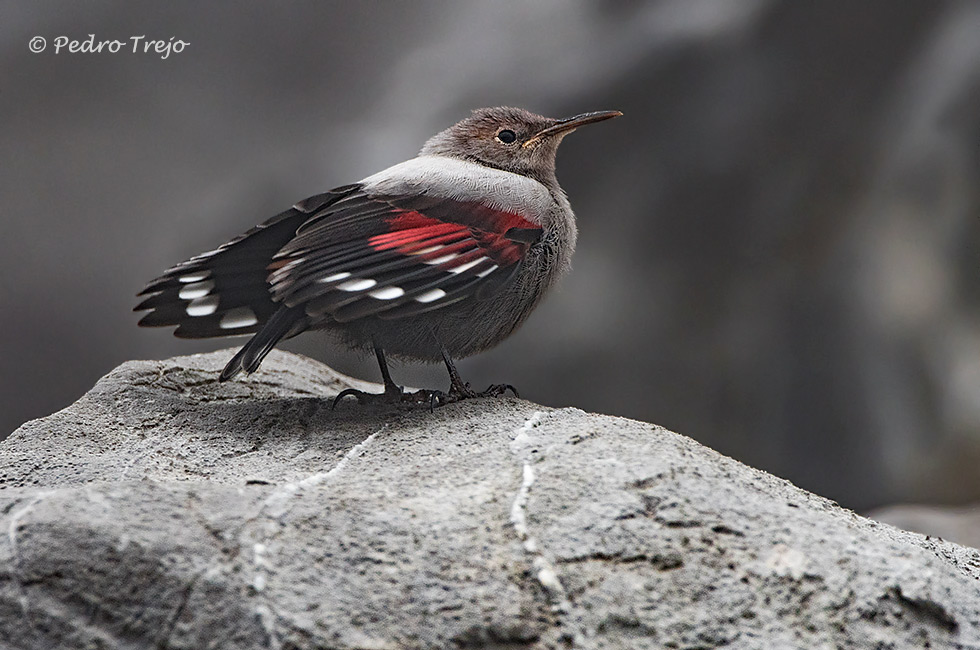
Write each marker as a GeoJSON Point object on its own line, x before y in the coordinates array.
{"type": "Point", "coordinates": [779, 241]}
{"type": "Point", "coordinates": [164, 509]}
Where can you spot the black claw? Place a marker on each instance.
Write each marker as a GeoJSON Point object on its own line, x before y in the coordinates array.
{"type": "Point", "coordinates": [390, 396]}
{"type": "Point", "coordinates": [359, 394]}
{"type": "Point", "coordinates": [498, 390]}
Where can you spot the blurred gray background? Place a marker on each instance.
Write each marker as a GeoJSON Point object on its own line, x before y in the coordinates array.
{"type": "Point", "coordinates": [779, 240]}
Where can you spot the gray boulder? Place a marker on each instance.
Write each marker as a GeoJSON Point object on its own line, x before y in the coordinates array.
{"type": "Point", "coordinates": [166, 510]}
{"type": "Point", "coordinates": [960, 524]}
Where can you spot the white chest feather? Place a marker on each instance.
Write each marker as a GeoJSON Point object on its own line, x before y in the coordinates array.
{"type": "Point", "coordinates": [464, 181]}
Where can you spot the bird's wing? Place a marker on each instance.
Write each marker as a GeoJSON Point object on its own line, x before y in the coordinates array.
{"type": "Point", "coordinates": [397, 256]}
{"type": "Point", "coordinates": [225, 292]}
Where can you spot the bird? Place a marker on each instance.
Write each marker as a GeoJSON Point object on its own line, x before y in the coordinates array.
{"type": "Point", "coordinates": [433, 259]}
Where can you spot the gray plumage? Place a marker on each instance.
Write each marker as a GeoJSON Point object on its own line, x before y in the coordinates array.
{"type": "Point", "coordinates": [436, 258]}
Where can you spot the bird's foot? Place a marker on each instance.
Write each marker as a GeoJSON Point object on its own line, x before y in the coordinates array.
{"type": "Point", "coordinates": [424, 397]}
{"type": "Point", "coordinates": [463, 391]}
{"type": "Point", "coordinates": [431, 398]}
{"type": "Point", "coordinates": [459, 392]}
{"type": "Point", "coordinates": [498, 390]}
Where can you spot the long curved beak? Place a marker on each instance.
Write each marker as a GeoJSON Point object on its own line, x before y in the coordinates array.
{"type": "Point", "coordinates": [569, 124]}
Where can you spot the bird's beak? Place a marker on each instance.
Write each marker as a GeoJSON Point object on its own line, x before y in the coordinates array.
{"type": "Point", "coordinates": [569, 124]}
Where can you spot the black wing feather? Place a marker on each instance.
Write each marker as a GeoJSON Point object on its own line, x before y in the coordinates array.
{"type": "Point", "coordinates": [235, 275]}
{"type": "Point", "coordinates": [339, 256]}
{"type": "Point", "coordinates": [349, 241]}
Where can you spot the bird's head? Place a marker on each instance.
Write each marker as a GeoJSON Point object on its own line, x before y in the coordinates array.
{"type": "Point", "coordinates": [511, 139]}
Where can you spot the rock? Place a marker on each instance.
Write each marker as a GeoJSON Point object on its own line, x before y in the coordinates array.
{"type": "Point", "coordinates": [166, 510]}
{"type": "Point", "coordinates": [960, 524]}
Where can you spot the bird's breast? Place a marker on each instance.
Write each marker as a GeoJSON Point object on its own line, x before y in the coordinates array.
{"type": "Point", "coordinates": [465, 181]}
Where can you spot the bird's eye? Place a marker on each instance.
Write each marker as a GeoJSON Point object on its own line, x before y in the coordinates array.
{"type": "Point", "coordinates": [506, 136]}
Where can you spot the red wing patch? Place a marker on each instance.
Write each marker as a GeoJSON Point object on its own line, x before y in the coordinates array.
{"type": "Point", "coordinates": [413, 233]}
{"type": "Point", "coordinates": [398, 256]}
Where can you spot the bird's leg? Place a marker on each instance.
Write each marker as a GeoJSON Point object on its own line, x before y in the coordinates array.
{"type": "Point", "coordinates": [458, 389]}
{"type": "Point", "coordinates": [393, 392]}
{"type": "Point", "coordinates": [391, 388]}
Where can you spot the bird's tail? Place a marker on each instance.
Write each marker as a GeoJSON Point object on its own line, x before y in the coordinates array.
{"type": "Point", "coordinates": [287, 321]}
{"type": "Point", "coordinates": [224, 292]}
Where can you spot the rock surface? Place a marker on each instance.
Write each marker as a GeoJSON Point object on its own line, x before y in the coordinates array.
{"type": "Point", "coordinates": [166, 510]}
{"type": "Point", "coordinates": [960, 524]}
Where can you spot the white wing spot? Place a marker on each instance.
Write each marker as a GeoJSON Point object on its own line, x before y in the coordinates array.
{"type": "Point", "coordinates": [204, 256]}
{"type": "Point", "coordinates": [203, 306]}
{"type": "Point", "coordinates": [240, 317]}
{"type": "Point", "coordinates": [336, 277]}
{"type": "Point", "coordinates": [357, 284]}
{"type": "Point", "coordinates": [442, 260]}
{"type": "Point", "coordinates": [196, 290]}
{"type": "Point", "coordinates": [429, 296]}
{"type": "Point", "coordinates": [387, 293]}
{"type": "Point", "coordinates": [194, 277]}
{"type": "Point", "coordinates": [483, 274]}
{"type": "Point", "coordinates": [467, 266]}
{"type": "Point", "coordinates": [426, 251]}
